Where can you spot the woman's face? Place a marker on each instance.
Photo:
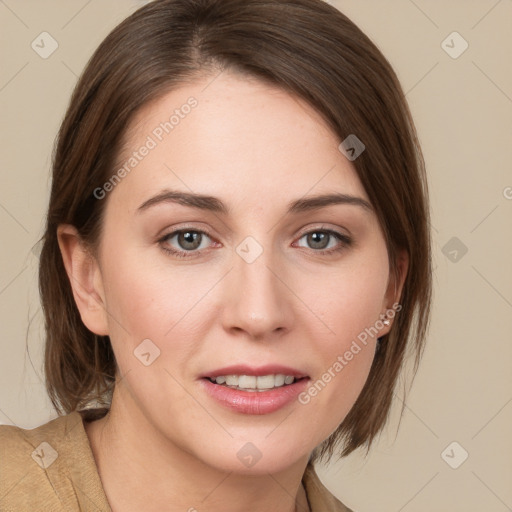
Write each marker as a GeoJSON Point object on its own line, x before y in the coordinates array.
{"type": "Point", "coordinates": [257, 278]}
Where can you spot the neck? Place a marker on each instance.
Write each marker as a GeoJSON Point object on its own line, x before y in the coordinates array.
{"type": "Point", "coordinates": [140, 469]}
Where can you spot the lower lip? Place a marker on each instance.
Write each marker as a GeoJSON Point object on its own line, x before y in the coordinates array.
{"type": "Point", "coordinates": [254, 402]}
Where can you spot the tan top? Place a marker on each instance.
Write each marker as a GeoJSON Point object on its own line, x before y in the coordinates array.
{"type": "Point", "coordinates": [52, 468]}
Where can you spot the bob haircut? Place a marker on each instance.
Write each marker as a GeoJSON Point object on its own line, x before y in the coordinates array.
{"type": "Point", "coordinates": [308, 49]}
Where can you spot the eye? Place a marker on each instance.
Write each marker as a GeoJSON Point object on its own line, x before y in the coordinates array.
{"type": "Point", "coordinates": [189, 242]}
{"type": "Point", "coordinates": [326, 241]}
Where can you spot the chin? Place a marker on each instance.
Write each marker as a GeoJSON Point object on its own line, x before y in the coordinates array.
{"type": "Point", "coordinates": [256, 459]}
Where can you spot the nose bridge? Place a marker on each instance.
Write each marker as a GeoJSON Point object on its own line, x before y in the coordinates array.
{"type": "Point", "coordinates": [257, 301]}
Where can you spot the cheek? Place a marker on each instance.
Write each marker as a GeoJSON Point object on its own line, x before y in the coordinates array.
{"type": "Point", "coordinates": [350, 313]}
{"type": "Point", "coordinates": [351, 298]}
{"type": "Point", "coordinates": [147, 314]}
{"type": "Point", "coordinates": [148, 300]}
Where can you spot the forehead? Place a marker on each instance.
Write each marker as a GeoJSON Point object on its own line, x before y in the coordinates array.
{"type": "Point", "coordinates": [234, 137]}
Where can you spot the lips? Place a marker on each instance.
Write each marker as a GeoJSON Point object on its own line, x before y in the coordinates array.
{"type": "Point", "coordinates": [242, 369]}
{"type": "Point", "coordinates": [253, 402]}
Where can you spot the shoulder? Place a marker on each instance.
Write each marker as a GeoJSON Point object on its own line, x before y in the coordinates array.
{"type": "Point", "coordinates": [37, 447]}
{"type": "Point", "coordinates": [319, 497]}
{"type": "Point", "coordinates": [39, 466]}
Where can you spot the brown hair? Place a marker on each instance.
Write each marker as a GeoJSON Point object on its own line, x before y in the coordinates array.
{"type": "Point", "coordinates": [305, 47]}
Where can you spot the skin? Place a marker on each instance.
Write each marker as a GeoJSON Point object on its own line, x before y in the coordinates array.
{"type": "Point", "coordinates": [166, 445]}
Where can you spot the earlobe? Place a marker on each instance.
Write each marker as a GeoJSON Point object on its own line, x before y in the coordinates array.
{"type": "Point", "coordinates": [85, 279]}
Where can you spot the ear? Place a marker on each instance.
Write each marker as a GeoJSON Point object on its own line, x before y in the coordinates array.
{"type": "Point", "coordinates": [394, 290]}
{"type": "Point", "coordinates": [85, 278]}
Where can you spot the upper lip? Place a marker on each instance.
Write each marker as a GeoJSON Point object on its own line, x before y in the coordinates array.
{"type": "Point", "coordinates": [243, 369]}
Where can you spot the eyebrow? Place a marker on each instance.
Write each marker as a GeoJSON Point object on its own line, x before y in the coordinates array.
{"type": "Point", "coordinates": [214, 204]}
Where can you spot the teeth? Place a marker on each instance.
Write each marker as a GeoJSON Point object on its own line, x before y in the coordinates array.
{"type": "Point", "coordinates": [253, 383]}
{"type": "Point", "coordinates": [231, 380]}
{"type": "Point", "coordinates": [280, 379]}
{"type": "Point", "coordinates": [246, 381]}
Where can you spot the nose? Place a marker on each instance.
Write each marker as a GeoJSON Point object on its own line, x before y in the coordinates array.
{"type": "Point", "coordinates": [257, 299]}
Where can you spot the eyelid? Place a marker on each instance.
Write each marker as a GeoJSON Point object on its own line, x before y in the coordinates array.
{"type": "Point", "coordinates": [172, 230]}
{"type": "Point", "coordinates": [323, 227]}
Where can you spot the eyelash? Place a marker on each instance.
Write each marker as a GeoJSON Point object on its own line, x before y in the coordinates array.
{"type": "Point", "coordinates": [344, 240]}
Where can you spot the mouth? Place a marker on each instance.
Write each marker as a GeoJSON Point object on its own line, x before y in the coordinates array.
{"type": "Point", "coordinates": [254, 383]}
{"type": "Point", "coordinates": [251, 379]}
{"type": "Point", "coordinates": [254, 391]}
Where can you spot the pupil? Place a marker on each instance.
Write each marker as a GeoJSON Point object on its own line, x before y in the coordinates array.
{"type": "Point", "coordinates": [189, 237]}
{"type": "Point", "coordinates": [317, 239]}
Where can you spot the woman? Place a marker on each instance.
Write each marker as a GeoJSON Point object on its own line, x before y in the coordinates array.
{"type": "Point", "coordinates": [235, 263]}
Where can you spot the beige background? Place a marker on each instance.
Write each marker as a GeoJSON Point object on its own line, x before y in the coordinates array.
{"type": "Point", "coordinates": [463, 110]}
